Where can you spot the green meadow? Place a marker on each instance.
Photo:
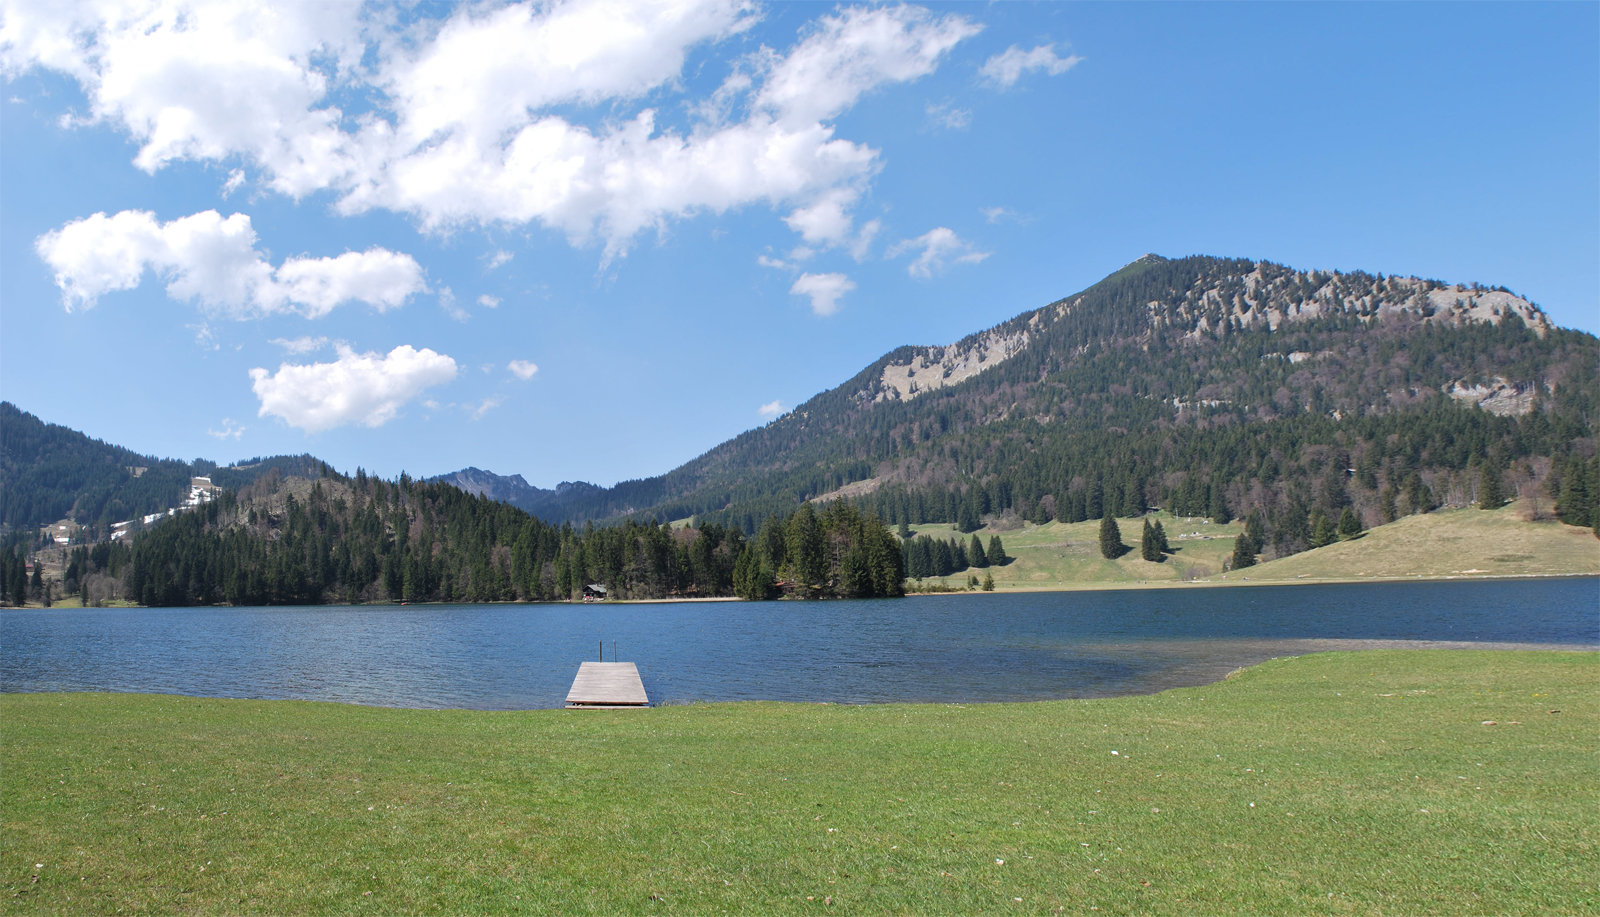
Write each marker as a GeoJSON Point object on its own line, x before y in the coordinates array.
{"type": "Point", "coordinates": [1413, 782]}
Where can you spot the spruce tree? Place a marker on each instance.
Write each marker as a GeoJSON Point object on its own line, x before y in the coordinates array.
{"type": "Point", "coordinates": [967, 515]}
{"type": "Point", "coordinates": [1219, 504]}
{"type": "Point", "coordinates": [1322, 533]}
{"type": "Point", "coordinates": [1111, 546]}
{"type": "Point", "coordinates": [1490, 493]}
{"type": "Point", "coordinates": [975, 555]}
{"type": "Point", "coordinates": [905, 530]}
{"type": "Point", "coordinates": [1244, 552]}
{"type": "Point", "coordinates": [997, 552]}
{"type": "Point", "coordinates": [1349, 523]}
{"type": "Point", "coordinates": [1149, 549]}
{"type": "Point", "coordinates": [988, 581]}
{"type": "Point", "coordinates": [1161, 539]}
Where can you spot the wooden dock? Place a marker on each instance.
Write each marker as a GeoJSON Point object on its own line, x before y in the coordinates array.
{"type": "Point", "coordinates": [607, 686]}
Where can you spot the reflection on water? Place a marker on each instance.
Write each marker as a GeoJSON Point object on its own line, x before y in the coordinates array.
{"type": "Point", "coordinates": [945, 648]}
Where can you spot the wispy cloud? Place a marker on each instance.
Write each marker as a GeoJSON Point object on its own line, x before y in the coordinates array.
{"type": "Point", "coordinates": [447, 302]}
{"type": "Point", "coordinates": [489, 302]}
{"type": "Point", "coordinates": [939, 248]}
{"type": "Point", "coordinates": [943, 114]}
{"type": "Point", "coordinates": [499, 259]}
{"type": "Point", "coordinates": [1004, 69]}
{"type": "Point", "coordinates": [229, 430]}
{"type": "Point", "coordinates": [478, 410]}
{"type": "Point", "coordinates": [772, 409]}
{"type": "Point", "coordinates": [302, 344]}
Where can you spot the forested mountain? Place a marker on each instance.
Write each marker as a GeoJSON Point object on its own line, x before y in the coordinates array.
{"type": "Point", "coordinates": [50, 472]}
{"type": "Point", "coordinates": [1211, 386]}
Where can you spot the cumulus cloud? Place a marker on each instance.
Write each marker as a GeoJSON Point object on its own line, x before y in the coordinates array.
{"type": "Point", "coordinates": [363, 388]}
{"type": "Point", "coordinates": [473, 116]}
{"type": "Point", "coordinates": [938, 248]}
{"type": "Point", "coordinates": [522, 369]}
{"type": "Point", "coordinates": [824, 290]}
{"type": "Point", "coordinates": [1004, 69]}
{"type": "Point", "coordinates": [489, 302]}
{"type": "Point", "coordinates": [771, 409]}
{"type": "Point", "coordinates": [213, 260]}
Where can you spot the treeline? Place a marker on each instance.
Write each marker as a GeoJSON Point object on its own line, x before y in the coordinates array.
{"type": "Point", "coordinates": [926, 556]}
{"type": "Point", "coordinates": [361, 539]}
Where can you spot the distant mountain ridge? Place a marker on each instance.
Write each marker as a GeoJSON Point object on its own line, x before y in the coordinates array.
{"type": "Point", "coordinates": [515, 490]}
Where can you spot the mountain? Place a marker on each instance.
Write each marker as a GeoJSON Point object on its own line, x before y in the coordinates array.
{"type": "Point", "coordinates": [517, 491]}
{"type": "Point", "coordinates": [1206, 384]}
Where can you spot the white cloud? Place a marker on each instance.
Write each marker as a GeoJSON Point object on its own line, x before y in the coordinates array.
{"type": "Point", "coordinates": [771, 409]}
{"type": "Point", "coordinates": [779, 263]}
{"type": "Point", "coordinates": [498, 259]}
{"type": "Point", "coordinates": [996, 214]}
{"type": "Point", "coordinates": [489, 302]}
{"type": "Point", "coordinates": [211, 260]}
{"type": "Point", "coordinates": [824, 290]}
{"type": "Point", "coordinates": [1004, 69]}
{"type": "Point", "coordinates": [522, 369]}
{"type": "Point", "coordinates": [301, 345]}
{"type": "Point", "coordinates": [945, 115]}
{"type": "Point", "coordinates": [940, 247]}
{"type": "Point", "coordinates": [360, 388]}
{"type": "Point", "coordinates": [473, 115]}
{"type": "Point", "coordinates": [234, 183]}
{"type": "Point", "coordinates": [229, 430]}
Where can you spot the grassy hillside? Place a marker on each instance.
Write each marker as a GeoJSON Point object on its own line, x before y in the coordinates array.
{"type": "Point", "coordinates": [1467, 542]}
{"type": "Point", "coordinates": [1060, 555]}
{"type": "Point", "coordinates": [1347, 782]}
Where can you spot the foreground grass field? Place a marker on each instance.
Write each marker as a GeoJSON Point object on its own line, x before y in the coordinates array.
{"type": "Point", "coordinates": [1338, 783]}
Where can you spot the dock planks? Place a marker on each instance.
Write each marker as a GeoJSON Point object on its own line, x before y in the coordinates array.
{"type": "Point", "coordinates": [607, 684]}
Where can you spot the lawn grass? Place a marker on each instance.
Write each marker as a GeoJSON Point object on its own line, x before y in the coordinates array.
{"type": "Point", "coordinates": [1328, 784]}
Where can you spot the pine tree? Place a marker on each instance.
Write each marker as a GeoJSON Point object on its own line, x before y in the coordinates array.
{"type": "Point", "coordinates": [988, 581]}
{"type": "Point", "coordinates": [1161, 539]}
{"type": "Point", "coordinates": [1149, 548]}
{"type": "Point", "coordinates": [975, 555]}
{"type": "Point", "coordinates": [1244, 552]}
{"type": "Point", "coordinates": [905, 530]}
{"type": "Point", "coordinates": [997, 552]}
{"type": "Point", "coordinates": [1111, 546]}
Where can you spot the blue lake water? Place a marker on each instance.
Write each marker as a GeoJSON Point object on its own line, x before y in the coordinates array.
{"type": "Point", "coordinates": [958, 648]}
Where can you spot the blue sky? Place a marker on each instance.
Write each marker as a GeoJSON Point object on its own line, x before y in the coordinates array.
{"type": "Point", "coordinates": [591, 240]}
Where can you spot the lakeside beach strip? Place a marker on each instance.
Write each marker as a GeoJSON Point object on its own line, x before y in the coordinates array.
{"type": "Point", "coordinates": [1394, 781]}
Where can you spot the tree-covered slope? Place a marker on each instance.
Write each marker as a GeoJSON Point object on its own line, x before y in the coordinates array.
{"type": "Point", "coordinates": [50, 472]}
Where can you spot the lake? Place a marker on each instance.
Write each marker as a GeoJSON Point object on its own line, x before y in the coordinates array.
{"type": "Point", "coordinates": [954, 648]}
